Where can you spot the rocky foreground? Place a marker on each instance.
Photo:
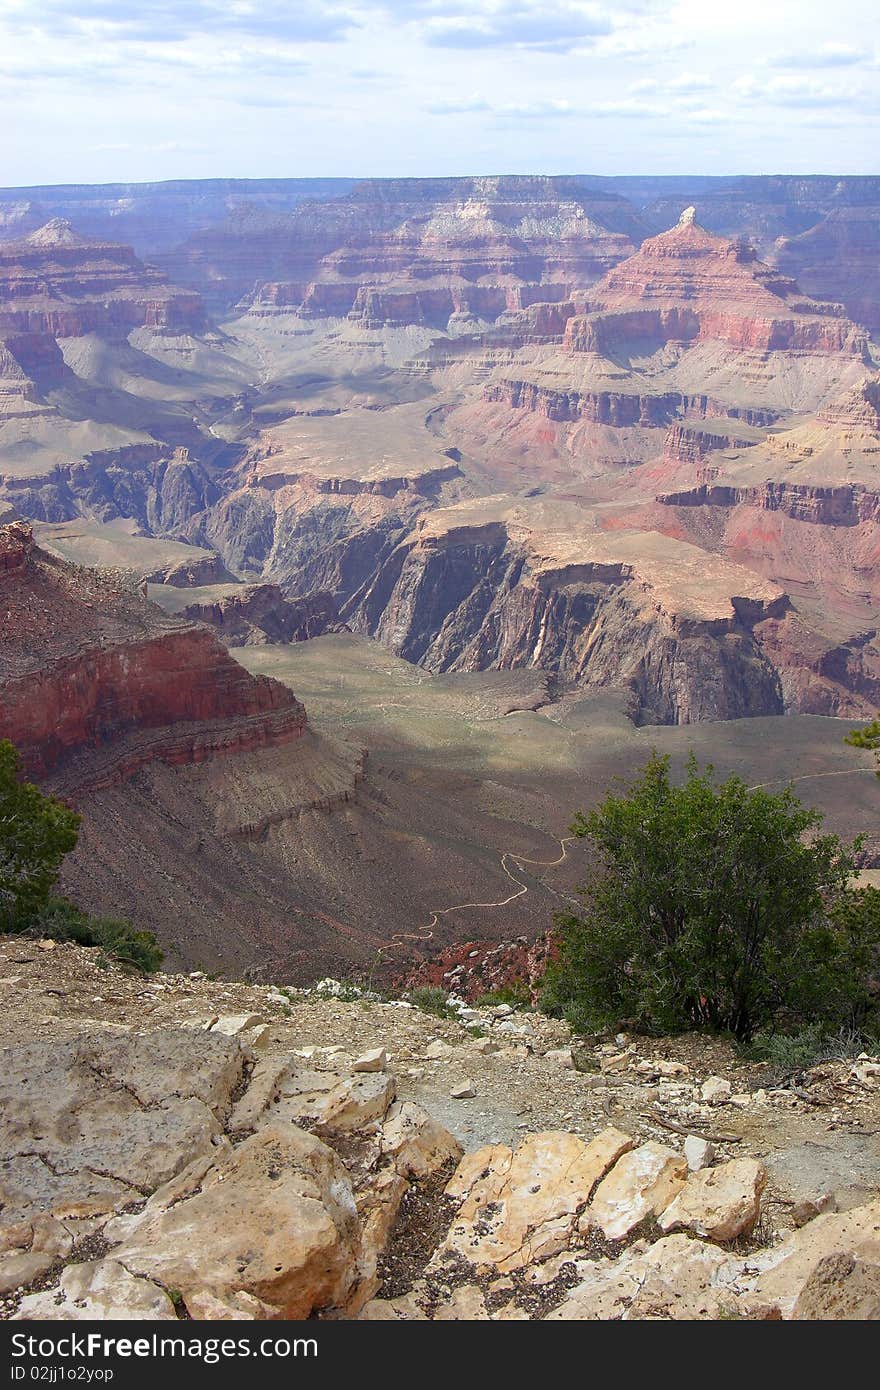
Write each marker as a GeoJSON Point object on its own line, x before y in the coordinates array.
{"type": "Point", "coordinates": [176, 1147]}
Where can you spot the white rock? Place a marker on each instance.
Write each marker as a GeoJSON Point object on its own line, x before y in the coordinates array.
{"type": "Point", "coordinates": [700, 1153]}
{"type": "Point", "coordinates": [374, 1060]}
{"type": "Point", "coordinates": [715, 1090]}
{"type": "Point", "coordinates": [230, 1025]}
{"type": "Point", "coordinates": [642, 1183]}
{"type": "Point", "coordinates": [464, 1090]}
{"type": "Point", "coordinates": [617, 1061]}
{"type": "Point", "coordinates": [100, 1289]}
{"type": "Point", "coordinates": [562, 1056]}
{"type": "Point", "coordinates": [438, 1050]}
{"type": "Point", "coordinates": [721, 1203]}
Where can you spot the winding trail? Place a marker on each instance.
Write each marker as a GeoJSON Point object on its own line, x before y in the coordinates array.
{"type": "Point", "coordinates": [507, 858]}
{"type": "Point", "coordinates": [814, 776]}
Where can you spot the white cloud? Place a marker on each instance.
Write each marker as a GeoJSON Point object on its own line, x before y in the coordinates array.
{"type": "Point", "coordinates": [104, 89]}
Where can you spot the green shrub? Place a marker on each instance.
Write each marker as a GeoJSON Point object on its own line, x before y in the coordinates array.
{"type": "Point", "coordinates": [60, 920]}
{"type": "Point", "coordinates": [715, 906]}
{"type": "Point", "coordinates": [517, 995]}
{"type": "Point", "coordinates": [431, 1000]}
{"type": "Point", "coordinates": [36, 832]}
{"type": "Point", "coordinates": [794, 1052]}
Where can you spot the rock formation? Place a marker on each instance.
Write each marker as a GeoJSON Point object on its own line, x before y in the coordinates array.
{"type": "Point", "coordinates": [59, 283]}
{"type": "Point", "coordinates": [452, 253]}
{"type": "Point", "coordinates": [85, 663]}
{"type": "Point", "coordinates": [191, 1161]}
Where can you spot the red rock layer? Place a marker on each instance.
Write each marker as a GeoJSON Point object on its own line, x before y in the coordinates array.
{"type": "Point", "coordinates": [689, 285]}
{"type": "Point", "coordinates": [84, 663]}
{"type": "Point", "coordinates": [477, 968]}
{"type": "Point", "coordinates": [57, 283]}
{"type": "Point", "coordinates": [420, 251]}
{"type": "Point", "coordinates": [847, 504]}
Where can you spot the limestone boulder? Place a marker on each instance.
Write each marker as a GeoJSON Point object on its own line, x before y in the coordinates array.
{"type": "Point", "coordinates": [417, 1144]}
{"type": "Point", "coordinates": [330, 1101]}
{"type": "Point", "coordinates": [841, 1288]}
{"type": "Point", "coordinates": [641, 1184]}
{"type": "Point", "coordinates": [103, 1290]}
{"type": "Point", "coordinates": [275, 1219]}
{"type": "Point", "coordinates": [779, 1275]}
{"type": "Point", "coordinates": [675, 1278]}
{"type": "Point", "coordinates": [91, 1123]}
{"type": "Point", "coordinates": [516, 1208]}
{"type": "Point", "coordinates": [720, 1203]}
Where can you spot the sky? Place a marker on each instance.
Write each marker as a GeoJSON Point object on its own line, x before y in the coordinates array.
{"type": "Point", "coordinates": [105, 90]}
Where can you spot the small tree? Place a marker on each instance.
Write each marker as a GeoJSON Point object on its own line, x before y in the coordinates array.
{"type": "Point", "coordinates": [869, 737]}
{"type": "Point", "coordinates": [709, 910]}
{"type": "Point", "coordinates": [36, 831]}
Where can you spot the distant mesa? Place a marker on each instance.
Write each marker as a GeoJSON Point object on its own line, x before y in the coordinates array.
{"type": "Point", "coordinates": [56, 232]}
{"type": "Point", "coordinates": [60, 283]}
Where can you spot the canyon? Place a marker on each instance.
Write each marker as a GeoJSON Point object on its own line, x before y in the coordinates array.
{"type": "Point", "coordinates": [350, 525]}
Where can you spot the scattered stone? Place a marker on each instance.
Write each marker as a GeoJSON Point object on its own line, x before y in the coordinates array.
{"type": "Point", "coordinates": [374, 1060]}
{"type": "Point", "coordinates": [463, 1090]}
{"type": "Point", "coordinates": [715, 1090]}
{"type": "Point", "coordinates": [230, 1025]}
{"type": "Point", "coordinates": [700, 1153]}
{"type": "Point", "coordinates": [583, 1058]}
{"type": "Point", "coordinates": [810, 1207]}
{"type": "Point", "coordinates": [616, 1061]}
{"type": "Point", "coordinates": [562, 1056]}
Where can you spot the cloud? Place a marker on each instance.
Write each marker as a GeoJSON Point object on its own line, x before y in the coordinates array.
{"type": "Point", "coordinates": [163, 21]}
{"type": "Point", "coordinates": [546, 109]}
{"type": "Point", "coordinates": [551, 26]}
{"type": "Point", "coordinates": [807, 92]}
{"type": "Point", "coordinates": [826, 55]}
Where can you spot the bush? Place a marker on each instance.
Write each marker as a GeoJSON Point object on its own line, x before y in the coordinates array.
{"type": "Point", "coordinates": [60, 920]}
{"type": "Point", "coordinates": [869, 737]}
{"type": "Point", "coordinates": [795, 1052]}
{"type": "Point", "coordinates": [517, 995]}
{"type": "Point", "coordinates": [715, 907]}
{"type": "Point", "coordinates": [431, 1000]}
{"type": "Point", "coordinates": [36, 832]}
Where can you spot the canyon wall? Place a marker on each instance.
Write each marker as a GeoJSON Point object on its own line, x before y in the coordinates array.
{"type": "Point", "coordinates": [84, 664]}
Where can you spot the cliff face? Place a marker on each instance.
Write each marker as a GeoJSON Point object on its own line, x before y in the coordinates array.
{"type": "Point", "coordinates": [254, 614]}
{"type": "Point", "coordinates": [441, 252]}
{"type": "Point", "coordinates": [472, 599]}
{"type": "Point", "coordinates": [839, 258]}
{"type": "Point", "coordinates": [689, 285]}
{"type": "Point", "coordinates": [85, 664]}
{"type": "Point", "coordinates": [848, 504]}
{"type": "Point", "coordinates": [57, 282]}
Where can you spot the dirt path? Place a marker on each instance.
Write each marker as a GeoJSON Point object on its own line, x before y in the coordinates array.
{"type": "Point", "coordinates": [507, 858]}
